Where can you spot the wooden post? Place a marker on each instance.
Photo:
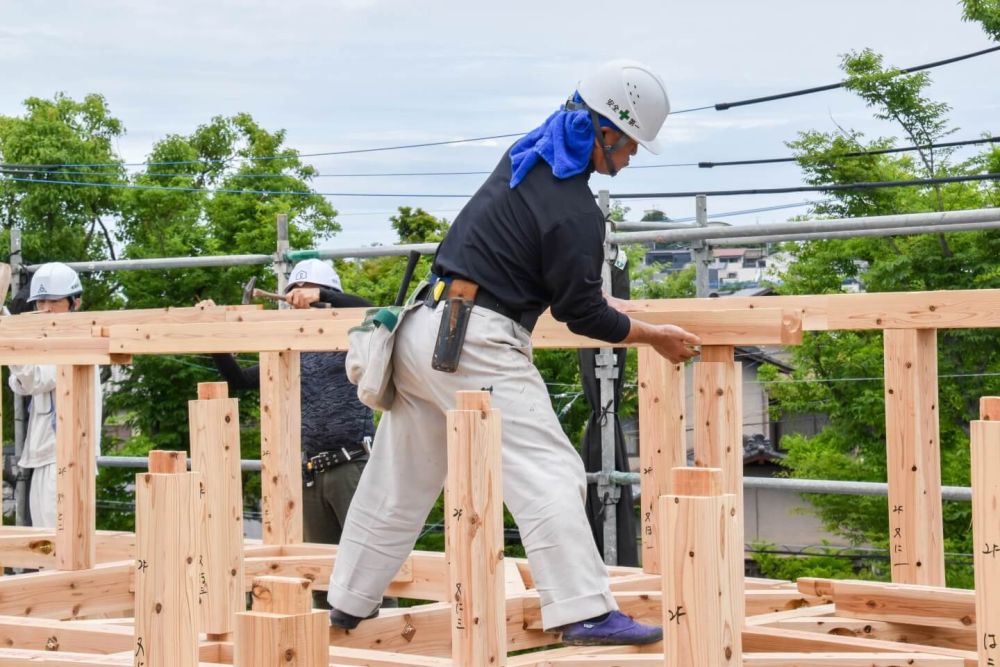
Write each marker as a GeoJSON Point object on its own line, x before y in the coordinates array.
{"type": "Point", "coordinates": [989, 408]}
{"type": "Point", "coordinates": [167, 461]}
{"type": "Point", "coordinates": [76, 467]}
{"type": "Point", "coordinates": [662, 443]}
{"type": "Point", "coordinates": [281, 447]}
{"type": "Point", "coordinates": [985, 437]}
{"type": "Point", "coordinates": [281, 629]}
{"type": "Point", "coordinates": [166, 575]}
{"type": "Point", "coordinates": [215, 453]}
{"type": "Point", "coordinates": [718, 423]}
{"type": "Point", "coordinates": [703, 598]}
{"type": "Point", "coordinates": [474, 532]}
{"type": "Point", "coordinates": [913, 458]}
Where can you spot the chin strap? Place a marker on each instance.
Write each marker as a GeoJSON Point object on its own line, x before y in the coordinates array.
{"type": "Point", "coordinates": [605, 148]}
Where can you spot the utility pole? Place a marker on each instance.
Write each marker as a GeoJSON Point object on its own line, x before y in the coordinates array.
{"type": "Point", "coordinates": [701, 253]}
{"type": "Point", "coordinates": [281, 267]}
{"type": "Point", "coordinates": [21, 510]}
{"type": "Point", "coordinates": [607, 373]}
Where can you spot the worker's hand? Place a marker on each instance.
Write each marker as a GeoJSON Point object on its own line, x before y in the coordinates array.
{"type": "Point", "coordinates": [674, 343]}
{"type": "Point", "coordinates": [302, 297]}
{"type": "Point", "coordinates": [206, 303]}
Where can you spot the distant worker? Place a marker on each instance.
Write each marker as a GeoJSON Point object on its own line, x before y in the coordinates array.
{"type": "Point", "coordinates": [55, 288]}
{"type": "Point", "coordinates": [531, 238]}
{"type": "Point", "coordinates": [336, 428]}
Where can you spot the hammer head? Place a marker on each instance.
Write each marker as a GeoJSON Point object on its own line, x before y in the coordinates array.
{"type": "Point", "coordinates": [248, 290]}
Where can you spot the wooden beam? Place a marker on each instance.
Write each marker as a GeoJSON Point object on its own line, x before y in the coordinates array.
{"type": "Point", "coordinates": [963, 639]}
{"type": "Point", "coordinates": [913, 457]}
{"type": "Point", "coordinates": [168, 552]}
{"type": "Point", "coordinates": [757, 639]}
{"type": "Point", "coordinates": [702, 578]}
{"type": "Point", "coordinates": [986, 536]}
{"type": "Point", "coordinates": [474, 532]}
{"type": "Point", "coordinates": [662, 443]}
{"type": "Point", "coordinates": [76, 467]}
{"type": "Point", "coordinates": [60, 351]}
{"type": "Point", "coordinates": [280, 447]}
{"type": "Point", "coordinates": [214, 426]}
{"type": "Point", "coordinates": [768, 326]}
{"type": "Point", "coordinates": [53, 635]}
{"type": "Point", "coordinates": [77, 324]}
{"type": "Point", "coordinates": [71, 594]}
{"type": "Point", "coordinates": [721, 327]}
{"type": "Point", "coordinates": [951, 309]}
{"type": "Point", "coordinates": [849, 660]}
{"type": "Point", "coordinates": [898, 603]}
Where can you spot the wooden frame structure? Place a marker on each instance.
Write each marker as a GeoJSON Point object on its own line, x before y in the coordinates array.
{"type": "Point", "coordinates": [173, 593]}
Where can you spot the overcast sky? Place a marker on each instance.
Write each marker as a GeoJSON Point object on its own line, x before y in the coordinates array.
{"type": "Point", "coordinates": [348, 74]}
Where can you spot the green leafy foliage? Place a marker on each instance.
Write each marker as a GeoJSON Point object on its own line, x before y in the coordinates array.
{"type": "Point", "coordinates": [840, 373]}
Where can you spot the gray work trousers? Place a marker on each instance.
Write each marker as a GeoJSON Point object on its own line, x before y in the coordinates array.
{"type": "Point", "coordinates": [544, 482]}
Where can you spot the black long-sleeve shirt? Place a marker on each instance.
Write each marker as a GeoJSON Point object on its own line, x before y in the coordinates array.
{"type": "Point", "coordinates": [539, 245]}
{"type": "Point", "coordinates": [332, 415]}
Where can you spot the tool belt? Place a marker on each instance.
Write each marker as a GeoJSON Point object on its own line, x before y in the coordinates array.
{"type": "Point", "coordinates": [331, 459]}
{"type": "Point", "coordinates": [459, 296]}
{"type": "Point", "coordinates": [480, 297]}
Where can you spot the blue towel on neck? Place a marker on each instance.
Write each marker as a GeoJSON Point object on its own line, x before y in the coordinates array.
{"type": "Point", "coordinates": [564, 141]}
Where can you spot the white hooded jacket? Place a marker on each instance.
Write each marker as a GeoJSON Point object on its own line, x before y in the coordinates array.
{"type": "Point", "coordinates": [39, 382]}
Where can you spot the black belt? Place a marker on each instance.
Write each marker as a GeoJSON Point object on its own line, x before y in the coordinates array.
{"type": "Point", "coordinates": [333, 458]}
{"type": "Point", "coordinates": [486, 299]}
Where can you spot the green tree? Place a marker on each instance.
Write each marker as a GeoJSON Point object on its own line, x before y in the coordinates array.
{"type": "Point", "coordinates": [839, 373]}
{"type": "Point", "coordinates": [232, 179]}
{"type": "Point", "coordinates": [986, 12]}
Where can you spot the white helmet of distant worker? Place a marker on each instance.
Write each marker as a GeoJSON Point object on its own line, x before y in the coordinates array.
{"type": "Point", "coordinates": [632, 97]}
{"type": "Point", "coordinates": [314, 272]}
{"type": "Point", "coordinates": [54, 281]}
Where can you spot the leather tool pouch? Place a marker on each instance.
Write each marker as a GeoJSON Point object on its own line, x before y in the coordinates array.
{"type": "Point", "coordinates": [451, 334]}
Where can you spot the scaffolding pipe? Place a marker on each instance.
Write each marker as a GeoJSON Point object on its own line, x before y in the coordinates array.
{"type": "Point", "coordinates": [652, 226]}
{"type": "Point", "coordinates": [893, 231]}
{"type": "Point", "coordinates": [400, 250]}
{"type": "Point", "coordinates": [812, 226]}
{"type": "Point", "coordinates": [819, 486]}
{"type": "Point", "coordinates": [162, 263]}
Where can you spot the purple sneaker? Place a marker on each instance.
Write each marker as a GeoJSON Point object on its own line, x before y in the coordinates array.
{"type": "Point", "coordinates": [617, 628]}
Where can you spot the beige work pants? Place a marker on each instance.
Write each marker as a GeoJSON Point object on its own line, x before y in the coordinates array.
{"type": "Point", "coordinates": [543, 476]}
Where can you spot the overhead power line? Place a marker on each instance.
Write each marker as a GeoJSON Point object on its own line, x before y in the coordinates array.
{"type": "Point", "coordinates": [854, 154]}
{"type": "Point", "coordinates": [635, 195]}
{"type": "Point", "coordinates": [13, 169]}
{"type": "Point", "coordinates": [722, 106]}
{"type": "Point", "coordinates": [718, 107]}
{"type": "Point", "coordinates": [831, 187]}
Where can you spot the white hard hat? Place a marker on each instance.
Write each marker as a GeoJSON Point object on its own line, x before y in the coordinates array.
{"type": "Point", "coordinates": [54, 281]}
{"type": "Point", "coordinates": [631, 96]}
{"type": "Point", "coordinates": [314, 271]}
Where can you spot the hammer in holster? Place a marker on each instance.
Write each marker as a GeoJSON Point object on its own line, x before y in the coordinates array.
{"type": "Point", "coordinates": [460, 297]}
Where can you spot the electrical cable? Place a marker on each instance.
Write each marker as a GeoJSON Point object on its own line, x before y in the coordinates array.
{"type": "Point", "coordinates": [722, 106]}
{"type": "Point", "coordinates": [27, 169]}
{"type": "Point", "coordinates": [853, 154]}
{"type": "Point", "coordinates": [831, 187]}
{"type": "Point", "coordinates": [718, 107]}
{"type": "Point", "coordinates": [637, 195]}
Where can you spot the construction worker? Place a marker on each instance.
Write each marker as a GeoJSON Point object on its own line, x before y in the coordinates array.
{"type": "Point", "coordinates": [336, 428]}
{"type": "Point", "coordinates": [55, 288]}
{"type": "Point", "coordinates": [531, 238]}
